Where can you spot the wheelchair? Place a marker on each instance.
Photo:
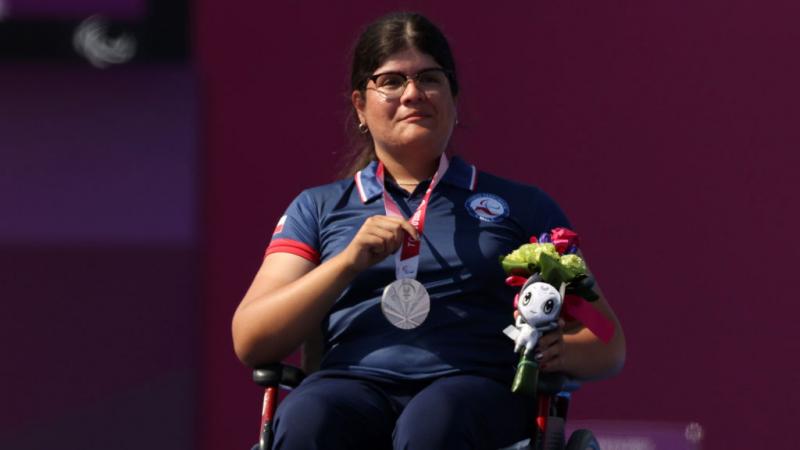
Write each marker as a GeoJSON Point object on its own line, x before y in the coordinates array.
{"type": "Point", "coordinates": [548, 433]}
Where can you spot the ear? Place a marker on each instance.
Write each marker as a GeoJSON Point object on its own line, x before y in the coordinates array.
{"type": "Point", "coordinates": [359, 103]}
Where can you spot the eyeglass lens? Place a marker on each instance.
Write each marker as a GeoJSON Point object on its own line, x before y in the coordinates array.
{"type": "Point", "coordinates": [393, 84]}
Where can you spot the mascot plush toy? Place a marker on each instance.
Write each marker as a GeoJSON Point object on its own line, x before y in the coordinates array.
{"type": "Point", "coordinates": [539, 305]}
{"type": "Point", "coordinates": [554, 283]}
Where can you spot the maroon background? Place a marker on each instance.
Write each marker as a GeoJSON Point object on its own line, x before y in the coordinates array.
{"type": "Point", "coordinates": [98, 257]}
{"type": "Point", "coordinates": [667, 130]}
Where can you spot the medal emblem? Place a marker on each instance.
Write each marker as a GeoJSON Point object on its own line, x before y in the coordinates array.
{"type": "Point", "coordinates": [405, 303]}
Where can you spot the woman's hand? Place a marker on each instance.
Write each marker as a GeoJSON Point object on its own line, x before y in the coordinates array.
{"type": "Point", "coordinates": [290, 295]}
{"type": "Point", "coordinates": [379, 237]}
{"type": "Point", "coordinates": [549, 352]}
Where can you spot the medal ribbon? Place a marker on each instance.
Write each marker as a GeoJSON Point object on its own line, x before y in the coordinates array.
{"type": "Point", "coordinates": [407, 257]}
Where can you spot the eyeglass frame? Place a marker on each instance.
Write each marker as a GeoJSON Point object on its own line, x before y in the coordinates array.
{"type": "Point", "coordinates": [409, 78]}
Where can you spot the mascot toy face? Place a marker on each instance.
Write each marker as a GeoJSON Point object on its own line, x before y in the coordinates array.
{"type": "Point", "coordinates": [539, 303]}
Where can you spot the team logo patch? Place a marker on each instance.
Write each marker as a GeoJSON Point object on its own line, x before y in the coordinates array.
{"type": "Point", "coordinates": [279, 226]}
{"type": "Point", "coordinates": [487, 207]}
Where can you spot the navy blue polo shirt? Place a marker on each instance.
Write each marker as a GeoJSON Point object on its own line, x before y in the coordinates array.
{"type": "Point", "coordinates": [473, 218]}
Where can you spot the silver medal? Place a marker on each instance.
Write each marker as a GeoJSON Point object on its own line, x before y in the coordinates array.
{"type": "Point", "coordinates": [405, 303]}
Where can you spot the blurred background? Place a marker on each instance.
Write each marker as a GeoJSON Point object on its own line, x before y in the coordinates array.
{"type": "Point", "coordinates": [147, 150]}
{"type": "Point", "coordinates": [100, 201]}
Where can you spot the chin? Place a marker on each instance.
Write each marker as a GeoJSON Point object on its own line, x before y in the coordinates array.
{"type": "Point", "coordinates": [421, 135]}
{"type": "Point", "coordinates": [421, 141]}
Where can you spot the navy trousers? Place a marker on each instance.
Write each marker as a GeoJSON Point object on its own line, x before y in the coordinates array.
{"type": "Point", "coordinates": [337, 410]}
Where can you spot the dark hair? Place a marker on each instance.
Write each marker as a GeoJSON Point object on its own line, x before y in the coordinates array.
{"type": "Point", "coordinates": [380, 40]}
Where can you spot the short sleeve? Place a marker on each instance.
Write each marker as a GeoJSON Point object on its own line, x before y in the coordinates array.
{"type": "Point", "coordinates": [297, 231]}
{"type": "Point", "coordinates": [548, 215]}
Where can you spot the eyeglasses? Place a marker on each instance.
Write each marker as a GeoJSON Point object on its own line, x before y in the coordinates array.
{"type": "Point", "coordinates": [392, 85]}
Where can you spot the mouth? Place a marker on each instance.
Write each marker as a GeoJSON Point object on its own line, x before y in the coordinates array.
{"type": "Point", "coordinates": [416, 116]}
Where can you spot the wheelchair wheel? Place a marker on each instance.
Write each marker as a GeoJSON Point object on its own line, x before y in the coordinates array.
{"type": "Point", "coordinates": [582, 440]}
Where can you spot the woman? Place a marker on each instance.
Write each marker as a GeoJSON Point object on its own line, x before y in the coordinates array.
{"type": "Point", "coordinates": [414, 354]}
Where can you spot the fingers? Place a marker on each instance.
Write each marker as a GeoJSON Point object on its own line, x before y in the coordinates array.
{"type": "Point", "coordinates": [378, 237]}
{"type": "Point", "coordinates": [392, 230]}
{"type": "Point", "coordinates": [383, 241]}
{"type": "Point", "coordinates": [549, 352]}
{"type": "Point", "coordinates": [550, 339]}
{"type": "Point", "coordinates": [394, 222]}
{"type": "Point", "coordinates": [410, 230]}
{"type": "Point", "coordinates": [391, 238]}
{"type": "Point", "coordinates": [551, 358]}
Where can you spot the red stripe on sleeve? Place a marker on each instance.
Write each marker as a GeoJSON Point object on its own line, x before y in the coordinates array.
{"type": "Point", "coordinates": [294, 247]}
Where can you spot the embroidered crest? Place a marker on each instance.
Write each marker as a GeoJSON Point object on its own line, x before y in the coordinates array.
{"type": "Point", "coordinates": [487, 207]}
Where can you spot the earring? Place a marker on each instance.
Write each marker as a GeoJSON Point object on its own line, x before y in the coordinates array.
{"type": "Point", "coordinates": [363, 128]}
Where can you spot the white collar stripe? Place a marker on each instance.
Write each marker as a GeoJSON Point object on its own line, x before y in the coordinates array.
{"type": "Point", "coordinates": [360, 187]}
{"type": "Point", "coordinates": [474, 180]}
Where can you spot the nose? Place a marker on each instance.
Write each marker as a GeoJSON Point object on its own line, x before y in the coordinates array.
{"type": "Point", "coordinates": [412, 93]}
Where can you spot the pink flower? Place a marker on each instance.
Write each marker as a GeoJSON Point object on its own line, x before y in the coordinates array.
{"type": "Point", "coordinates": [564, 238]}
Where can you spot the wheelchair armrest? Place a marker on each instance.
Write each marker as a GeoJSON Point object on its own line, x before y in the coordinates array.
{"type": "Point", "coordinates": [278, 374]}
{"type": "Point", "coordinates": [553, 383]}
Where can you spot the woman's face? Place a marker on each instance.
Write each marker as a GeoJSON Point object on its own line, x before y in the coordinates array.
{"type": "Point", "coordinates": [420, 120]}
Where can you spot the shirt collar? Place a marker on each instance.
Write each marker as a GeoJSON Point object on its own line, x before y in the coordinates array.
{"type": "Point", "coordinates": [460, 174]}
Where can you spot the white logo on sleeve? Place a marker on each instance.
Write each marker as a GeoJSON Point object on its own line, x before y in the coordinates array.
{"type": "Point", "coordinates": [279, 226]}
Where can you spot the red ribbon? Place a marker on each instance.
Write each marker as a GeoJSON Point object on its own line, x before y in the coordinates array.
{"type": "Point", "coordinates": [406, 261]}
{"type": "Point", "coordinates": [516, 280]}
{"type": "Point", "coordinates": [579, 309]}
